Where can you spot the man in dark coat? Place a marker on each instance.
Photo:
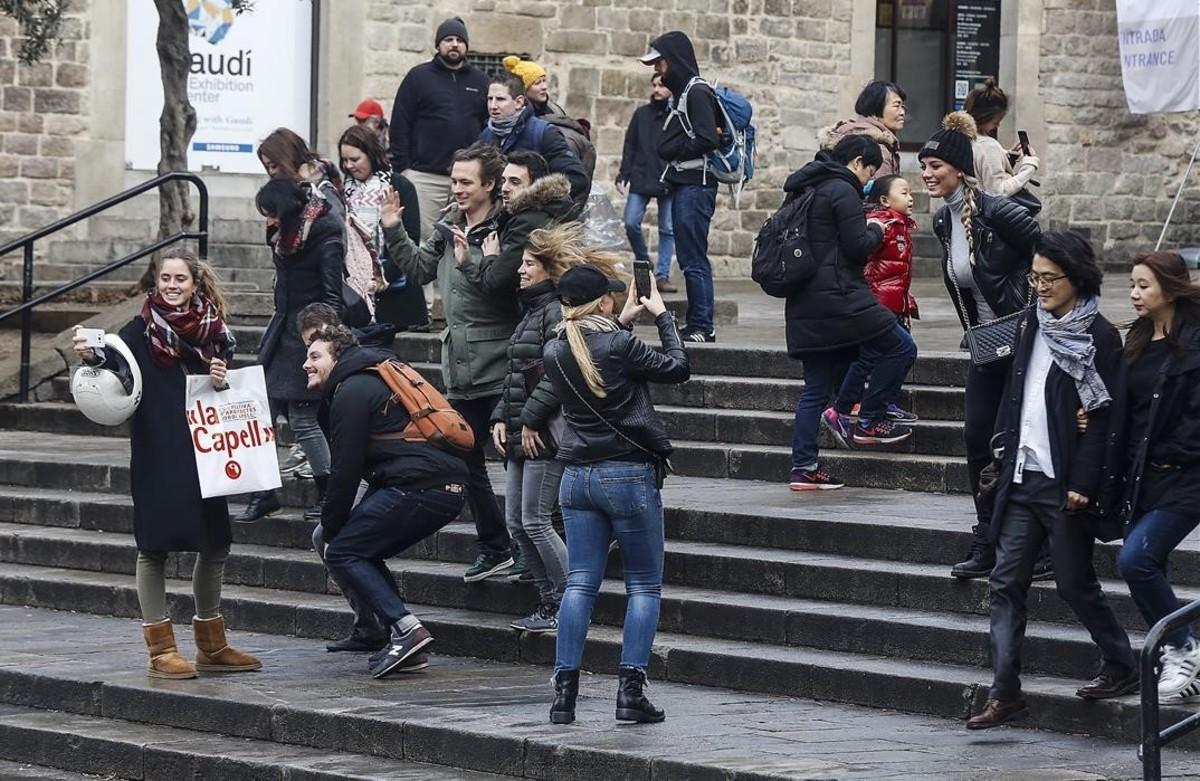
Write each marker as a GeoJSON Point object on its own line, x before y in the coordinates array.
{"type": "Point", "coordinates": [440, 107]}
{"type": "Point", "coordinates": [835, 317]}
{"type": "Point", "coordinates": [690, 135]}
{"type": "Point", "coordinates": [641, 172]}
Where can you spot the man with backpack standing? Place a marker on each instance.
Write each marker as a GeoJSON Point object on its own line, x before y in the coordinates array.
{"type": "Point", "coordinates": [692, 132]}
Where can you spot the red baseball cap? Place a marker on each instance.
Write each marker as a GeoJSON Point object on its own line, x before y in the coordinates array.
{"type": "Point", "coordinates": [367, 108]}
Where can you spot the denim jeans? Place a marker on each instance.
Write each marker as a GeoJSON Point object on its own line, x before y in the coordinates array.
{"type": "Point", "coordinates": [600, 501]}
{"type": "Point", "coordinates": [1143, 564]}
{"type": "Point", "coordinates": [490, 531]}
{"type": "Point", "coordinates": [635, 210]}
{"type": "Point", "coordinates": [531, 493]}
{"type": "Point", "coordinates": [692, 207]}
{"type": "Point", "coordinates": [386, 522]}
{"type": "Point", "coordinates": [302, 419]}
{"type": "Point", "coordinates": [365, 621]}
{"type": "Point", "coordinates": [821, 372]}
{"type": "Point", "coordinates": [885, 360]}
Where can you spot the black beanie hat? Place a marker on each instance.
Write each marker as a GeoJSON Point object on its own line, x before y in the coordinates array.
{"type": "Point", "coordinates": [953, 142]}
{"type": "Point", "coordinates": [452, 26]}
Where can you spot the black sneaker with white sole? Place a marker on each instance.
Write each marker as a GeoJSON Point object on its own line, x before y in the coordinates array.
{"type": "Point", "coordinates": [400, 647]}
{"type": "Point", "coordinates": [542, 620]}
{"type": "Point", "coordinates": [689, 334]}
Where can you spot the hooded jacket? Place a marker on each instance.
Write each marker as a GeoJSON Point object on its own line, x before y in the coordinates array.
{"type": "Point", "coordinates": [675, 146]}
{"type": "Point", "coordinates": [641, 165]}
{"type": "Point", "coordinates": [889, 268]}
{"type": "Point", "coordinates": [546, 201]}
{"type": "Point", "coordinates": [537, 135]}
{"type": "Point", "coordinates": [522, 405]}
{"type": "Point", "coordinates": [873, 128]}
{"type": "Point", "coordinates": [360, 407]}
{"type": "Point", "coordinates": [437, 112]}
{"type": "Point", "coordinates": [836, 309]}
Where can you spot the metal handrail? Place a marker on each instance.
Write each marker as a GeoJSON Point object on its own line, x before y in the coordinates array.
{"type": "Point", "coordinates": [26, 242]}
{"type": "Point", "coordinates": [1153, 739]}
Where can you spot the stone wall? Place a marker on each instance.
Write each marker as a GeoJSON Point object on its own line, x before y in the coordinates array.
{"type": "Point", "coordinates": [1107, 171]}
{"type": "Point", "coordinates": [43, 111]}
{"type": "Point", "coordinates": [792, 58]}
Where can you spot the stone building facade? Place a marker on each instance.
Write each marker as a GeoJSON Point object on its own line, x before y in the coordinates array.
{"type": "Point", "coordinates": [800, 61]}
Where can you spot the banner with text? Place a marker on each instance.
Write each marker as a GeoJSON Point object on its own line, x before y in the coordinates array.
{"type": "Point", "coordinates": [1160, 54]}
{"type": "Point", "coordinates": [250, 73]}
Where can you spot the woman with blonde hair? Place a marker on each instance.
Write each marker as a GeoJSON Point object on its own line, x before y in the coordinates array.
{"type": "Point", "coordinates": [181, 330]}
{"type": "Point", "coordinates": [615, 449]}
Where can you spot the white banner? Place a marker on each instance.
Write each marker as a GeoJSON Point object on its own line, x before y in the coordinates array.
{"type": "Point", "coordinates": [232, 433]}
{"type": "Point", "coordinates": [250, 74]}
{"type": "Point", "coordinates": [1160, 54]}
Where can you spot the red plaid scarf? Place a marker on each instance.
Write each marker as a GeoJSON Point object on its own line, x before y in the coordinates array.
{"type": "Point", "coordinates": [174, 331]}
{"type": "Point", "coordinates": [287, 240]}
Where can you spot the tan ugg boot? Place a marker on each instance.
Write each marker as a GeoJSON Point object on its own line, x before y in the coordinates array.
{"type": "Point", "coordinates": [165, 661]}
{"type": "Point", "coordinates": [213, 655]}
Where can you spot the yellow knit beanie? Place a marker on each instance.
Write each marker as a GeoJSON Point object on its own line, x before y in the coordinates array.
{"type": "Point", "coordinates": [528, 70]}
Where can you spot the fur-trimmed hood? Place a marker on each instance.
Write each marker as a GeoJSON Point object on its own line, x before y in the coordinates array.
{"type": "Point", "coordinates": [551, 193]}
{"type": "Point", "coordinates": [858, 126]}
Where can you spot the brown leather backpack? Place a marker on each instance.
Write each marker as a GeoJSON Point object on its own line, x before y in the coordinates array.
{"type": "Point", "coordinates": [433, 420]}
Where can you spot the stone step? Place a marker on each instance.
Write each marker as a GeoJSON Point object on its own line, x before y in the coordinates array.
{"type": "Point", "coordinates": [53, 317]}
{"type": "Point", "coordinates": [25, 771]}
{"type": "Point", "coordinates": [949, 691]}
{"type": "Point", "coordinates": [131, 750]}
{"type": "Point", "coordinates": [817, 620]}
{"type": "Point", "coordinates": [223, 252]}
{"type": "Point", "coordinates": [100, 292]}
{"type": "Point", "coordinates": [257, 278]}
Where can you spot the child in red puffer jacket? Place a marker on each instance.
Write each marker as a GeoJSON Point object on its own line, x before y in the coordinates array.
{"type": "Point", "coordinates": [889, 268]}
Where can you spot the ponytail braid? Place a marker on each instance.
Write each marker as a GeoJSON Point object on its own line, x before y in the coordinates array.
{"type": "Point", "coordinates": [970, 204]}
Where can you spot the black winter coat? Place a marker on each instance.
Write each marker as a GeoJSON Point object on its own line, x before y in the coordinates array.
{"type": "Point", "coordinates": [535, 134]}
{"type": "Point", "coordinates": [1005, 235]}
{"type": "Point", "coordinates": [518, 406]}
{"type": "Point", "coordinates": [641, 165]}
{"type": "Point", "coordinates": [360, 407]}
{"type": "Point", "coordinates": [314, 273]}
{"type": "Point", "coordinates": [1165, 470]}
{"type": "Point", "coordinates": [168, 511]}
{"type": "Point", "coordinates": [836, 309]}
{"type": "Point", "coordinates": [675, 145]}
{"type": "Point", "coordinates": [1081, 461]}
{"type": "Point", "coordinates": [626, 364]}
{"type": "Point", "coordinates": [437, 112]}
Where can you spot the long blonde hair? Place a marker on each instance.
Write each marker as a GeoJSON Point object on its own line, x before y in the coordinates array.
{"type": "Point", "coordinates": [970, 205]}
{"type": "Point", "coordinates": [204, 276]}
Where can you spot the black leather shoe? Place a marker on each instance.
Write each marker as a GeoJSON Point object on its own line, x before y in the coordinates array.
{"type": "Point", "coordinates": [358, 642]}
{"type": "Point", "coordinates": [1043, 570]}
{"type": "Point", "coordinates": [1110, 684]}
{"type": "Point", "coordinates": [632, 704]}
{"type": "Point", "coordinates": [261, 505]}
{"type": "Point", "coordinates": [566, 690]}
{"type": "Point", "coordinates": [998, 712]}
{"type": "Point", "coordinates": [981, 558]}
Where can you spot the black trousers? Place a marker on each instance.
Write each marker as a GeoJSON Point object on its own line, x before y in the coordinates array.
{"type": "Point", "coordinates": [1033, 514]}
{"type": "Point", "coordinates": [490, 529]}
{"type": "Point", "coordinates": [984, 393]}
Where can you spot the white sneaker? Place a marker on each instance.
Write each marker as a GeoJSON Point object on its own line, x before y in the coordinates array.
{"type": "Point", "coordinates": [1180, 667]}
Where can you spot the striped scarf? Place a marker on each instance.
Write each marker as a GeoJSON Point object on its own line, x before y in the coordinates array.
{"type": "Point", "coordinates": [1073, 352]}
{"type": "Point", "coordinates": [176, 332]}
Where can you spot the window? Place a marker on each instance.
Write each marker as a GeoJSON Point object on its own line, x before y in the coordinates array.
{"type": "Point", "coordinates": [912, 48]}
{"type": "Point", "coordinates": [492, 64]}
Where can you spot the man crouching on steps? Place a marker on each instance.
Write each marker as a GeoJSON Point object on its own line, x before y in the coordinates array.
{"type": "Point", "coordinates": [414, 489]}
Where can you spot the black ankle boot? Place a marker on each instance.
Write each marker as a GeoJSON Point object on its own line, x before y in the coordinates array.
{"type": "Point", "coordinates": [314, 513]}
{"type": "Point", "coordinates": [981, 558]}
{"type": "Point", "coordinates": [262, 504]}
{"type": "Point", "coordinates": [632, 704]}
{"type": "Point", "coordinates": [566, 689]}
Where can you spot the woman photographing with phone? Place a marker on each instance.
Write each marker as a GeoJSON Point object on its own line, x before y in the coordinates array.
{"type": "Point", "coordinates": [615, 450]}
{"type": "Point", "coordinates": [180, 331]}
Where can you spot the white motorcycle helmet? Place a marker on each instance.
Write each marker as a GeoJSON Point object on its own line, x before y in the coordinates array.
{"type": "Point", "coordinates": [101, 394]}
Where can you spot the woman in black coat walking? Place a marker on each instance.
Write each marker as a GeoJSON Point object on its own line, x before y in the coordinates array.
{"type": "Point", "coordinates": [835, 317]}
{"type": "Point", "coordinates": [180, 331]}
{"type": "Point", "coordinates": [1162, 485]}
{"type": "Point", "coordinates": [987, 248]}
{"type": "Point", "coordinates": [308, 247]}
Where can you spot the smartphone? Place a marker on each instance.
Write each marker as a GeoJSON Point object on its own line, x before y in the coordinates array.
{"type": "Point", "coordinates": [1023, 137]}
{"type": "Point", "coordinates": [641, 278]}
{"type": "Point", "coordinates": [94, 337]}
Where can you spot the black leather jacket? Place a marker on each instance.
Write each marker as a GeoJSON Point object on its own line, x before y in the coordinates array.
{"type": "Point", "coordinates": [626, 364]}
{"type": "Point", "coordinates": [1005, 235]}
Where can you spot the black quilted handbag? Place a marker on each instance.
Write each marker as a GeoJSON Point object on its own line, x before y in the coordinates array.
{"type": "Point", "coordinates": [995, 340]}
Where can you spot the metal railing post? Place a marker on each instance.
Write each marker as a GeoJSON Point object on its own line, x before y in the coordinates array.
{"type": "Point", "coordinates": [1150, 750]}
{"type": "Point", "coordinates": [26, 322]}
{"type": "Point", "coordinates": [202, 226]}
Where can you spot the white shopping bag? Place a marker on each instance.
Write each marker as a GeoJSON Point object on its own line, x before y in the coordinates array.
{"type": "Point", "coordinates": [232, 433]}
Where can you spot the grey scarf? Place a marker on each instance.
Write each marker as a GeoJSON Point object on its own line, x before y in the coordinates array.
{"type": "Point", "coordinates": [1073, 352]}
{"type": "Point", "coordinates": [503, 127]}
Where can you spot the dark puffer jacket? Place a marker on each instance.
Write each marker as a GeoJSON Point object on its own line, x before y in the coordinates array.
{"type": "Point", "coordinates": [1005, 235]}
{"type": "Point", "coordinates": [836, 309]}
{"type": "Point", "coordinates": [518, 407]}
{"type": "Point", "coordinates": [626, 364]}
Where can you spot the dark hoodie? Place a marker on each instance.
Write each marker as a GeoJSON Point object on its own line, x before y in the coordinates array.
{"type": "Point", "coordinates": [437, 111]}
{"type": "Point", "coordinates": [836, 309]}
{"type": "Point", "coordinates": [360, 406]}
{"type": "Point", "coordinates": [641, 167]}
{"type": "Point", "coordinates": [675, 146]}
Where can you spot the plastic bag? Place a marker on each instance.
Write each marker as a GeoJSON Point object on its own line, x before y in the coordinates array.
{"type": "Point", "coordinates": [602, 224]}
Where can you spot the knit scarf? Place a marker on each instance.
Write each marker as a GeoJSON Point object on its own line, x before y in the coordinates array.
{"type": "Point", "coordinates": [174, 332]}
{"type": "Point", "coordinates": [502, 128]}
{"type": "Point", "coordinates": [287, 239]}
{"type": "Point", "coordinates": [1073, 352]}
